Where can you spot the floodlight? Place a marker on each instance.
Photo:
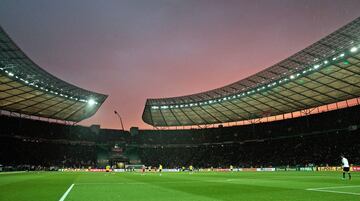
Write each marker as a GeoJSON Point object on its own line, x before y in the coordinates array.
{"type": "Point", "coordinates": [354, 49]}
{"type": "Point", "coordinates": [91, 102]}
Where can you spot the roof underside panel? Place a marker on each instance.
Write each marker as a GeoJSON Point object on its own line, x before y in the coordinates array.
{"type": "Point", "coordinates": [28, 89]}
{"type": "Point", "coordinates": [326, 72]}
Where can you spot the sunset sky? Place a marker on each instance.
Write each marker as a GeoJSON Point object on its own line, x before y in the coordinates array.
{"type": "Point", "coordinates": [133, 50]}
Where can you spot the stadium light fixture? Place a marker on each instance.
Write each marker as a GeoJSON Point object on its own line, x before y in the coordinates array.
{"type": "Point", "coordinates": [49, 88]}
{"type": "Point", "coordinates": [323, 63]}
{"type": "Point", "coordinates": [353, 49]}
{"type": "Point", "coordinates": [91, 102]}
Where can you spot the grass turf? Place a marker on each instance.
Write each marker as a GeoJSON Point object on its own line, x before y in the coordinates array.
{"type": "Point", "coordinates": [207, 186]}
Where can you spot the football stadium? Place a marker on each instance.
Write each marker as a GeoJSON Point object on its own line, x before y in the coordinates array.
{"type": "Point", "coordinates": [288, 132]}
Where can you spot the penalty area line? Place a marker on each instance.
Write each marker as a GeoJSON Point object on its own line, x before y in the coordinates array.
{"type": "Point", "coordinates": [67, 192]}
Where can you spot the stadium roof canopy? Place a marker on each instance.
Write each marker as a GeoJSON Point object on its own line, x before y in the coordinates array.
{"type": "Point", "coordinates": [323, 73]}
{"type": "Point", "coordinates": [28, 89]}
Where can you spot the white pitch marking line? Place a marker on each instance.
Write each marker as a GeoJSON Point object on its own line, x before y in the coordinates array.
{"type": "Point", "coordinates": [340, 192]}
{"type": "Point", "coordinates": [332, 187]}
{"type": "Point", "coordinates": [67, 192]}
{"type": "Point", "coordinates": [332, 191]}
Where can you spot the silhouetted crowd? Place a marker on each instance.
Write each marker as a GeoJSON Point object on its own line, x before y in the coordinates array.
{"type": "Point", "coordinates": [317, 139]}
{"type": "Point", "coordinates": [33, 144]}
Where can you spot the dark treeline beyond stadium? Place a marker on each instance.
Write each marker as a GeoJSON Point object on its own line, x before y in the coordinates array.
{"type": "Point", "coordinates": [315, 139]}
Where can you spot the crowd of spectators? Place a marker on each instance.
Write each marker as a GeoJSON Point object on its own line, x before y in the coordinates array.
{"type": "Point", "coordinates": [310, 140]}
{"type": "Point", "coordinates": [34, 144]}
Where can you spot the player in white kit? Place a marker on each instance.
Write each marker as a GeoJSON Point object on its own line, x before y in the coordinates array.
{"type": "Point", "coordinates": [346, 167]}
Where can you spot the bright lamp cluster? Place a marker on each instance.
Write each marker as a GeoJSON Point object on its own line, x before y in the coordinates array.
{"type": "Point", "coordinates": [270, 85]}
{"type": "Point", "coordinates": [90, 101]}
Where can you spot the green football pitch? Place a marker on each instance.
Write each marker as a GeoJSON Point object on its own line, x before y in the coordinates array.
{"type": "Point", "coordinates": [206, 186]}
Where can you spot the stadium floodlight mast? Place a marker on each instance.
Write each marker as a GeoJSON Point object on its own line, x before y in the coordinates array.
{"type": "Point", "coordinates": [120, 119]}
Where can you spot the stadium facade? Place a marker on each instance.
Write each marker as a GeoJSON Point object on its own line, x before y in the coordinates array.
{"type": "Point", "coordinates": [314, 140]}
{"type": "Point", "coordinates": [26, 88]}
{"type": "Point", "coordinates": [326, 72]}
{"type": "Point", "coordinates": [310, 143]}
